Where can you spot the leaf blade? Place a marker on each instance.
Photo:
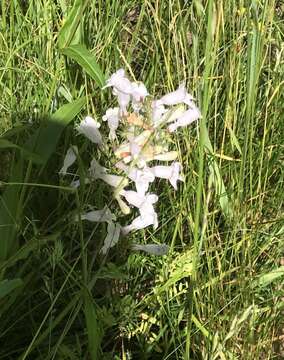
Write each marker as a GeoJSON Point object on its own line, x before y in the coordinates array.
{"type": "Point", "coordinates": [86, 60]}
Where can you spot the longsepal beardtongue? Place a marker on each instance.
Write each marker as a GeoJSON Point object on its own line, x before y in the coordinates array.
{"type": "Point", "coordinates": [140, 150]}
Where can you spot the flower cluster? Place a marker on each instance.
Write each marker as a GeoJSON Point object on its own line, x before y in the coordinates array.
{"type": "Point", "coordinates": [141, 129]}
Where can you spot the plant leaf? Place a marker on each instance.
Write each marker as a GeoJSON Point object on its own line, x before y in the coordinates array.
{"type": "Point", "coordinates": [92, 327]}
{"type": "Point", "coordinates": [44, 141]}
{"type": "Point", "coordinates": [6, 286]}
{"type": "Point", "coordinates": [6, 144]}
{"type": "Point", "coordinates": [70, 32]}
{"type": "Point", "coordinates": [86, 59]}
{"type": "Point", "coordinates": [266, 279]}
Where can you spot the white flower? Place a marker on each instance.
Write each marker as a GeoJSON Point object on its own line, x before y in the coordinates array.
{"type": "Point", "coordinates": [167, 156]}
{"type": "Point", "coordinates": [186, 118]}
{"type": "Point", "coordinates": [99, 172]}
{"type": "Point", "coordinates": [144, 203]}
{"type": "Point", "coordinates": [119, 82]}
{"type": "Point", "coordinates": [153, 249]}
{"type": "Point", "coordinates": [103, 215]}
{"type": "Point", "coordinates": [139, 91]}
{"type": "Point", "coordinates": [122, 88]}
{"type": "Point", "coordinates": [142, 179]}
{"type": "Point", "coordinates": [174, 114]}
{"type": "Point", "coordinates": [69, 159]}
{"type": "Point", "coordinates": [112, 118]}
{"type": "Point", "coordinates": [123, 100]}
{"type": "Point", "coordinates": [141, 222]}
{"type": "Point", "coordinates": [158, 110]}
{"type": "Point", "coordinates": [176, 97]}
{"type": "Point", "coordinates": [126, 150]}
{"type": "Point", "coordinates": [169, 172]}
{"type": "Point", "coordinates": [113, 232]}
{"type": "Point", "coordinates": [96, 170]}
{"type": "Point", "coordinates": [90, 128]}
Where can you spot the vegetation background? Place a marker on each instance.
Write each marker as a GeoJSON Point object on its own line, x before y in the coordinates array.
{"type": "Point", "coordinates": [219, 292]}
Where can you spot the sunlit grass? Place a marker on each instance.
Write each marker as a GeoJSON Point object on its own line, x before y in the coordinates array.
{"type": "Point", "coordinates": [216, 294]}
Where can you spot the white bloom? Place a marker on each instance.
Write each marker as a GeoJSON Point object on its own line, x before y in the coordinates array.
{"type": "Point", "coordinates": [138, 92]}
{"type": "Point", "coordinates": [69, 159]}
{"type": "Point", "coordinates": [96, 170]}
{"type": "Point", "coordinates": [142, 179]}
{"type": "Point", "coordinates": [123, 100]}
{"type": "Point", "coordinates": [176, 97]}
{"type": "Point", "coordinates": [99, 172]}
{"type": "Point", "coordinates": [103, 215]}
{"type": "Point", "coordinates": [169, 172]}
{"type": "Point", "coordinates": [134, 148]}
{"type": "Point", "coordinates": [119, 82]}
{"type": "Point", "coordinates": [144, 203]}
{"type": "Point", "coordinates": [167, 156]}
{"type": "Point", "coordinates": [158, 110]}
{"type": "Point", "coordinates": [153, 249]}
{"type": "Point", "coordinates": [112, 118]}
{"type": "Point", "coordinates": [113, 232]}
{"type": "Point", "coordinates": [141, 222]}
{"type": "Point", "coordinates": [90, 128]}
{"type": "Point", "coordinates": [186, 118]}
{"type": "Point", "coordinates": [125, 150]}
{"type": "Point", "coordinates": [174, 114]}
{"type": "Point", "coordinates": [122, 88]}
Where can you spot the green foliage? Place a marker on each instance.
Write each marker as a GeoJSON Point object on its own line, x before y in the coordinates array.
{"type": "Point", "coordinates": [219, 293]}
{"type": "Point", "coordinates": [83, 57]}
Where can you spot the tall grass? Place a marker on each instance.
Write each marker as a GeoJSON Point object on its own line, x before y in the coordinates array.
{"type": "Point", "coordinates": [219, 293]}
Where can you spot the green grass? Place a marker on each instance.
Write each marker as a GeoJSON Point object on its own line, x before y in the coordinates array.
{"type": "Point", "coordinates": [219, 292]}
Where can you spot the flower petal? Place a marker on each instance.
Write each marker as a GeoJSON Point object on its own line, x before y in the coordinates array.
{"type": "Point", "coordinates": [153, 249]}
{"type": "Point", "coordinates": [69, 159]}
{"type": "Point", "coordinates": [90, 128]}
{"type": "Point", "coordinates": [103, 215]}
{"type": "Point", "coordinates": [113, 232]}
{"type": "Point", "coordinates": [185, 119]}
{"type": "Point", "coordinates": [112, 117]}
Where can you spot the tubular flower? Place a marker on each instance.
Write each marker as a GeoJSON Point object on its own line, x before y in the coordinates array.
{"type": "Point", "coordinates": [177, 97]}
{"type": "Point", "coordinates": [144, 137]}
{"type": "Point", "coordinates": [113, 232]}
{"type": "Point", "coordinates": [90, 128]}
{"type": "Point", "coordinates": [112, 118]}
{"type": "Point", "coordinates": [185, 119]}
{"type": "Point", "coordinates": [69, 159]}
{"type": "Point", "coordinates": [170, 173]}
{"type": "Point", "coordinates": [103, 215]}
{"type": "Point", "coordinates": [153, 249]}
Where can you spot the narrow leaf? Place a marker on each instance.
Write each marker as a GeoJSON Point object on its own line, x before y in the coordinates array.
{"type": "Point", "coordinates": [86, 59]}
{"type": "Point", "coordinates": [70, 32]}
{"type": "Point", "coordinates": [44, 141]}
{"type": "Point", "coordinates": [92, 327]}
{"type": "Point", "coordinates": [6, 286]}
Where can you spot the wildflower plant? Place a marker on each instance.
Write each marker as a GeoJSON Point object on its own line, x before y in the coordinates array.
{"type": "Point", "coordinates": [140, 140]}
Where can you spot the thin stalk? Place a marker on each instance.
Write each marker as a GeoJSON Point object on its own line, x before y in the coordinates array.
{"type": "Point", "coordinates": [202, 141]}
